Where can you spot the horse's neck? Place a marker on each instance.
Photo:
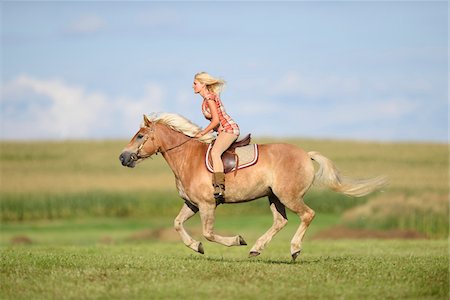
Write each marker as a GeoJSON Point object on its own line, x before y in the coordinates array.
{"type": "Point", "coordinates": [169, 138]}
{"type": "Point", "coordinates": [181, 154]}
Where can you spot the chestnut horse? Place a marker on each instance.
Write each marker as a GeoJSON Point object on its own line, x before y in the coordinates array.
{"type": "Point", "coordinates": [283, 172]}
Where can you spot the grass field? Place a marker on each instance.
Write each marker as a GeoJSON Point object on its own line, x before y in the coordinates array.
{"type": "Point", "coordinates": [163, 270]}
{"type": "Point", "coordinates": [76, 224]}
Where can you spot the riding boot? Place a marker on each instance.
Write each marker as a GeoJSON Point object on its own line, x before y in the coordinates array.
{"type": "Point", "coordinates": [219, 187]}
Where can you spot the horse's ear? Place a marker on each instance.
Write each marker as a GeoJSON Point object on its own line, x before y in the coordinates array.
{"type": "Point", "coordinates": [147, 121]}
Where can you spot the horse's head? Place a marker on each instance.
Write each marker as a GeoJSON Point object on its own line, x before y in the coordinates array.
{"type": "Point", "coordinates": [143, 145]}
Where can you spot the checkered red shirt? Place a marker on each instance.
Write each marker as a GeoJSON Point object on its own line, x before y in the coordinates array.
{"type": "Point", "coordinates": [227, 124]}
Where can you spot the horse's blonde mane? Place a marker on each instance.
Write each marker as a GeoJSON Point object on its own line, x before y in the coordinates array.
{"type": "Point", "coordinates": [180, 124]}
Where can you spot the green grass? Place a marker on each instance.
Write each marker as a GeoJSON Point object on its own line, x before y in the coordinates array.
{"type": "Point", "coordinates": [54, 206]}
{"type": "Point", "coordinates": [58, 205]}
{"type": "Point", "coordinates": [156, 270]}
{"type": "Point", "coordinates": [102, 258]}
{"type": "Point", "coordinates": [52, 167]}
{"type": "Point", "coordinates": [75, 224]}
{"type": "Point", "coordinates": [120, 231]}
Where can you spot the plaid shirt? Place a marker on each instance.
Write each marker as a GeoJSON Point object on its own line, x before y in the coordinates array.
{"type": "Point", "coordinates": [226, 123]}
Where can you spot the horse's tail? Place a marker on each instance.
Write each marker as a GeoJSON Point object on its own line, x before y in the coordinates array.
{"type": "Point", "coordinates": [329, 176]}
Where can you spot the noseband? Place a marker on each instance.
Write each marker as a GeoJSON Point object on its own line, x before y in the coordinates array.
{"type": "Point", "coordinates": [159, 149]}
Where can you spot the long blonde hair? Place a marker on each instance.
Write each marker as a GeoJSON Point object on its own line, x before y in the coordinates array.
{"type": "Point", "coordinates": [214, 85]}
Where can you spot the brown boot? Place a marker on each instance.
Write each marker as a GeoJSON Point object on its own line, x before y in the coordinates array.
{"type": "Point", "coordinates": [219, 187]}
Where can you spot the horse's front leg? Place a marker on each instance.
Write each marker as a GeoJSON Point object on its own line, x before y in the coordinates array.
{"type": "Point", "coordinates": [279, 221]}
{"type": "Point", "coordinates": [207, 211]}
{"type": "Point", "coordinates": [186, 212]}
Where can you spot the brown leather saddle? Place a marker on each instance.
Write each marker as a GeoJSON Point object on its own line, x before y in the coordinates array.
{"type": "Point", "coordinates": [230, 159]}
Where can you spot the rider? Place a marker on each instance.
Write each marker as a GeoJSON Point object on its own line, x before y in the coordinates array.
{"type": "Point", "coordinates": [227, 130]}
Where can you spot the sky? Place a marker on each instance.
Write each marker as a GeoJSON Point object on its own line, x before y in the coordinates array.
{"type": "Point", "coordinates": [354, 70]}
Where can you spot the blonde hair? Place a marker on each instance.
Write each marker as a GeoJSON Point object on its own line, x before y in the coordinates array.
{"type": "Point", "coordinates": [214, 85]}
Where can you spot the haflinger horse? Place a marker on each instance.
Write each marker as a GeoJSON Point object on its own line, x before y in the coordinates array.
{"type": "Point", "coordinates": [283, 172]}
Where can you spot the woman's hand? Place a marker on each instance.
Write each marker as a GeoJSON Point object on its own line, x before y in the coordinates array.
{"type": "Point", "coordinates": [199, 135]}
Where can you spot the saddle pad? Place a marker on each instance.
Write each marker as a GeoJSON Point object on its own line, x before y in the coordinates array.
{"type": "Point", "coordinates": [248, 156]}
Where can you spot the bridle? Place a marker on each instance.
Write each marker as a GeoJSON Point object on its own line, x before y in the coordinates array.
{"type": "Point", "coordinates": [136, 156]}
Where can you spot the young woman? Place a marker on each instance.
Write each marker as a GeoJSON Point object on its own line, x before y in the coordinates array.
{"type": "Point", "coordinates": [227, 130]}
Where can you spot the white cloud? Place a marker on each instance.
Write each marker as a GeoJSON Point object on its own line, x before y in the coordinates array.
{"type": "Point", "coordinates": [374, 112]}
{"type": "Point", "coordinates": [69, 111]}
{"type": "Point", "coordinates": [316, 86]}
{"type": "Point", "coordinates": [54, 109]}
{"type": "Point", "coordinates": [396, 107]}
{"type": "Point", "coordinates": [328, 106]}
{"type": "Point", "coordinates": [131, 110]}
{"type": "Point", "coordinates": [157, 17]}
{"type": "Point", "coordinates": [87, 24]}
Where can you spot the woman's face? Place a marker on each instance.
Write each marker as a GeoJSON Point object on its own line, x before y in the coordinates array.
{"type": "Point", "coordinates": [197, 86]}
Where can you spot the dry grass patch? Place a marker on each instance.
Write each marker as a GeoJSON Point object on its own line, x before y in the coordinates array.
{"type": "Point", "coordinates": [427, 213]}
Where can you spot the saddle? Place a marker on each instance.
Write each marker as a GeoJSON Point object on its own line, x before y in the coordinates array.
{"type": "Point", "coordinates": [231, 157]}
{"type": "Point", "coordinates": [241, 143]}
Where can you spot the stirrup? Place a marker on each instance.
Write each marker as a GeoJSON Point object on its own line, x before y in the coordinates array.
{"type": "Point", "coordinates": [219, 198]}
{"type": "Point", "coordinates": [219, 194]}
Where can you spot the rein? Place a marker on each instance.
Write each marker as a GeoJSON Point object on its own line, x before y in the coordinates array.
{"type": "Point", "coordinates": [174, 147]}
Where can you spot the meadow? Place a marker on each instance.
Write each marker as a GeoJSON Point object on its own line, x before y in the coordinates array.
{"type": "Point", "coordinates": [76, 224]}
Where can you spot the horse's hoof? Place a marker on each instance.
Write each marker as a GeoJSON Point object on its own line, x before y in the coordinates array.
{"type": "Point", "coordinates": [200, 248]}
{"type": "Point", "coordinates": [242, 242]}
{"type": "Point", "coordinates": [294, 255]}
{"type": "Point", "coordinates": [253, 254]}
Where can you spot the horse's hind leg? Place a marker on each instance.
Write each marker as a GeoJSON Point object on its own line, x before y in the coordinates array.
{"type": "Point", "coordinates": [306, 215]}
{"type": "Point", "coordinates": [279, 221]}
{"type": "Point", "coordinates": [186, 212]}
{"type": "Point", "coordinates": [207, 215]}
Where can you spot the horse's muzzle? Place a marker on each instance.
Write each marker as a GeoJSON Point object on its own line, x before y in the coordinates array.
{"type": "Point", "coordinates": [128, 159]}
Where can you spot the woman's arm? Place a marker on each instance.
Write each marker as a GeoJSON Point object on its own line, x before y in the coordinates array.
{"type": "Point", "coordinates": [214, 118]}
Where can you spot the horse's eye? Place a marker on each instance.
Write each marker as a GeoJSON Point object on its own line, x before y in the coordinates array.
{"type": "Point", "coordinates": [140, 136]}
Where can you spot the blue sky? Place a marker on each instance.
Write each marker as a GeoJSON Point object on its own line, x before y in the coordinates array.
{"type": "Point", "coordinates": [336, 69]}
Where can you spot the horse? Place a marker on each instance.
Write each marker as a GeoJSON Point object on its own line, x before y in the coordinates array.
{"type": "Point", "coordinates": [284, 173]}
